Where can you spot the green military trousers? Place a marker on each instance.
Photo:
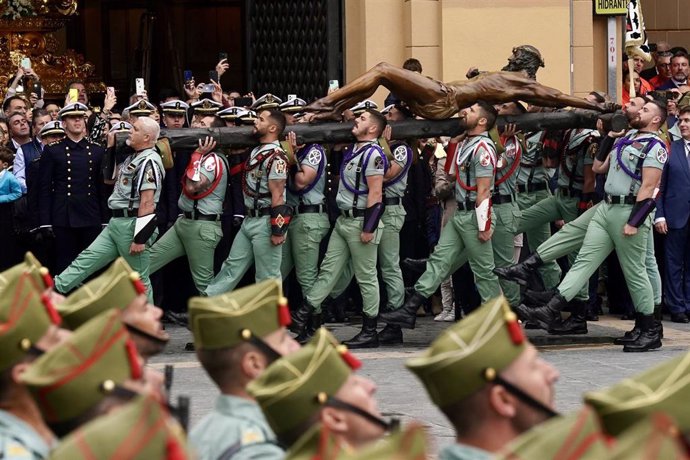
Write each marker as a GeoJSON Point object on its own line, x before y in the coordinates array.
{"type": "Point", "coordinates": [252, 245]}
{"type": "Point", "coordinates": [604, 234]}
{"type": "Point", "coordinates": [460, 235]}
{"type": "Point", "coordinates": [114, 241]}
{"type": "Point", "coordinates": [538, 233]}
{"type": "Point", "coordinates": [569, 239]}
{"type": "Point", "coordinates": [548, 210]}
{"type": "Point", "coordinates": [301, 248]}
{"type": "Point", "coordinates": [195, 238]}
{"type": "Point", "coordinates": [388, 257]}
{"type": "Point", "coordinates": [345, 246]}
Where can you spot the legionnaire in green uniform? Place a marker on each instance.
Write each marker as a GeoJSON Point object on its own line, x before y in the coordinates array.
{"type": "Point", "coordinates": [576, 436]}
{"type": "Point", "coordinates": [118, 287]}
{"type": "Point", "coordinates": [357, 231]}
{"type": "Point", "coordinates": [263, 230]}
{"type": "Point", "coordinates": [142, 429]}
{"type": "Point", "coordinates": [487, 379]}
{"type": "Point", "coordinates": [316, 404]}
{"type": "Point", "coordinates": [197, 232]}
{"type": "Point", "coordinates": [236, 336]}
{"type": "Point", "coordinates": [84, 376]}
{"type": "Point", "coordinates": [132, 229]}
{"type": "Point", "coordinates": [472, 225]}
{"type": "Point", "coordinates": [622, 223]}
{"type": "Point", "coordinates": [29, 325]}
{"type": "Point", "coordinates": [306, 188]}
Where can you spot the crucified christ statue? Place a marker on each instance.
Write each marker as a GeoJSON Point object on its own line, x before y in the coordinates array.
{"type": "Point", "coordinates": [435, 100]}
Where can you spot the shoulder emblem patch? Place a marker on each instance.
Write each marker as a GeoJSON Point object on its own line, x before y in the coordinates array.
{"type": "Point", "coordinates": [252, 436]}
{"type": "Point", "coordinates": [378, 163]}
{"type": "Point", "coordinates": [511, 150]}
{"type": "Point", "coordinates": [314, 157]}
{"type": "Point", "coordinates": [400, 153]}
{"type": "Point", "coordinates": [662, 156]}
{"type": "Point", "coordinates": [210, 164]}
{"type": "Point", "coordinates": [593, 149]}
{"type": "Point", "coordinates": [281, 166]}
{"type": "Point", "coordinates": [485, 158]}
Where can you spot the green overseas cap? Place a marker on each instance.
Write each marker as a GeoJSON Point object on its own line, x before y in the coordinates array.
{"type": "Point", "coordinates": [117, 287]}
{"type": "Point", "coordinates": [33, 266]}
{"type": "Point", "coordinates": [575, 436]}
{"type": "Point", "coordinates": [470, 353]}
{"type": "Point", "coordinates": [74, 376]}
{"type": "Point", "coordinates": [664, 388]}
{"type": "Point", "coordinates": [25, 315]}
{"type": "Point", "coordinates": [141, 430]}
{"type": "Point", "coordinates": [295, 387]}
{"type": "Point", "coordinates": [227, 320]}
{"type": "Point", "coordinates": [655, 436]}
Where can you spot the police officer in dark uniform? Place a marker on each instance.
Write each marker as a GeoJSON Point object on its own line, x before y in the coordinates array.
{"type": "Point", "coordinates": [71, 201]}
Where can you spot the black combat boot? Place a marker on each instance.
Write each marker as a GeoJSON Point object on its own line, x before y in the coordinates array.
{"type": "Point", "coordinates": [300, 317]}
{"type": "Point", "coordinates": [525, 273]}
{"type": "Point", "coordinates": [405, 316]}
{"type": "Point", "coordinates": [537, 298]}
{"type": "Point", "coordinates": [391, 335]}
{"type": "Point", "coordinates": [313, 323]}
{"type": "Point", "coordinates": [576, 323]}
{"type": "Point", "coordinates": [545, 317]}
{"type": "Point", "coordinates": [367, 337]}
{"type": "Point", "coordinates": [649, 338]}
{"type": "Point", "coordinates": [632, 335]}
{"type": "Point", "coordinates": [414, 265]}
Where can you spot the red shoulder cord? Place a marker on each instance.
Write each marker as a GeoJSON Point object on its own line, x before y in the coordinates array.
{"type": "Point", "coordinates": [516, 162]}
{"type": "Point", "coordinates": [463, 185]}
{"type": "Point", "coordinates": [214, 184]}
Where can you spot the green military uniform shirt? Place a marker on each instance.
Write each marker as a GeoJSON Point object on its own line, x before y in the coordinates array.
{"type": "Point", "coordinates": [402, 155]}
{"type": "Point", "coordinates": [645, 147]}
{"type": "Point", "coordinates": [576, 157]}
{"type": "Point", "coordinates": [139, 172]}
{"type": "Point", "coordinates": [256, 172]}
{"type": "Point", "coordinates": [310, 156]}
{"type": "Point", "coordinates": [214, 168]}
{"type": "Point", "coordinates": [476, 158]}
{"type": "Point", "coordinates": [532, 169]}
{"type": "Point", "coordinates": [463, 452]}
{"type": "Point", "coordinates": [366, 159]}
{"type": "Point", "coordinates": [18, 441]}
{"type": "Point", "coordinates": [506, 166]}
{"type": "Point", "coordinates": [236, 429]}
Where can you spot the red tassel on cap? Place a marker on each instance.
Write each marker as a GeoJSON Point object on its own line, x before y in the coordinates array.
{"type": "Point", "coordinates": [47, 279]}
{"type": "Point", "coordinates": [55, 317]}
{"type": "Point", "coordinates": [284, 318]}
{"type": "Point", "coordinates": [138, 284]}
{"type": "Point", "coordinates": [349, 358]}
{"type": "Point", "coordinates": [133, 357]}
{"type": "Point", "coordinates": [174, 450]}
{"type": "Point", "coordinates": [514, 329]}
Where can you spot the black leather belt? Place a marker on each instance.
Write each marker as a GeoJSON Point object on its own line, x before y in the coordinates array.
{"type": "Point", "coordinates": [199, 216]}
{"type": "Point", "coordinates": [310, 208]}
{"type": "Point", "coordinates": [621, 199]}
{"type": "Point", "coordinates": [531, 187]}
{"type": "Point", "coordinates": [501, 199]}
{"type": "Point", "coordinates": [259, 212]}
{"type": "Point", "coordinates": [392, 201]}
{"type": "Point", "coordinates": [570, 192]}
{"type": "Point", "coordinates": [467, 205]}
{"type": "Point", "coordinates": [124, 212]}
{"type": "Point", "coordinates": [353, 213]}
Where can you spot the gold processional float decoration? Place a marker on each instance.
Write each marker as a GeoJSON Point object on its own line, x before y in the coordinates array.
{"type": "Point", "coordinates": [27, 30]}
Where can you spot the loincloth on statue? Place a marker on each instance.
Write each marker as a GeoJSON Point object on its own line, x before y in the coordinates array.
{"type": "Point", "coordinates": [442, 108]}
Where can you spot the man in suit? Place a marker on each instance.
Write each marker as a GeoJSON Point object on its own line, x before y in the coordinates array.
{"type": "Point", "coordinates": [71, 204]}
{"type": "Point", "coordinates": [673, 210]}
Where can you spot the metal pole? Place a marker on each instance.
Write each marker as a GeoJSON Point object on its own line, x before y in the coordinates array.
{"type": "Point", "coordinates": [612, 57]}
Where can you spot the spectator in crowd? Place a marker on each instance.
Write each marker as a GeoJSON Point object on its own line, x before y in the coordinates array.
{"type": "Point", "coordinates": [10, 191]}
{"type": "Point", "coordinates": [53, 109]}
{"type": "Point", "coordinates": [680, 69]}
{"type": "Point", "coordinates": [672, 215]}
{"type": "Point", "coordinates": [15, 104]}
{"type": "Point", "coordinates": [639, 90]}
{"type": "Point", "coordinates": [638, 65]}
{"type": "Point", "coordinates": [32, 149]}
{"type": "Point", "coordinates": [663, 69]}
{"type": "Point", "coordinates": [23, 77]}
{"type": "Point", "coordinates": [20, 133]}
